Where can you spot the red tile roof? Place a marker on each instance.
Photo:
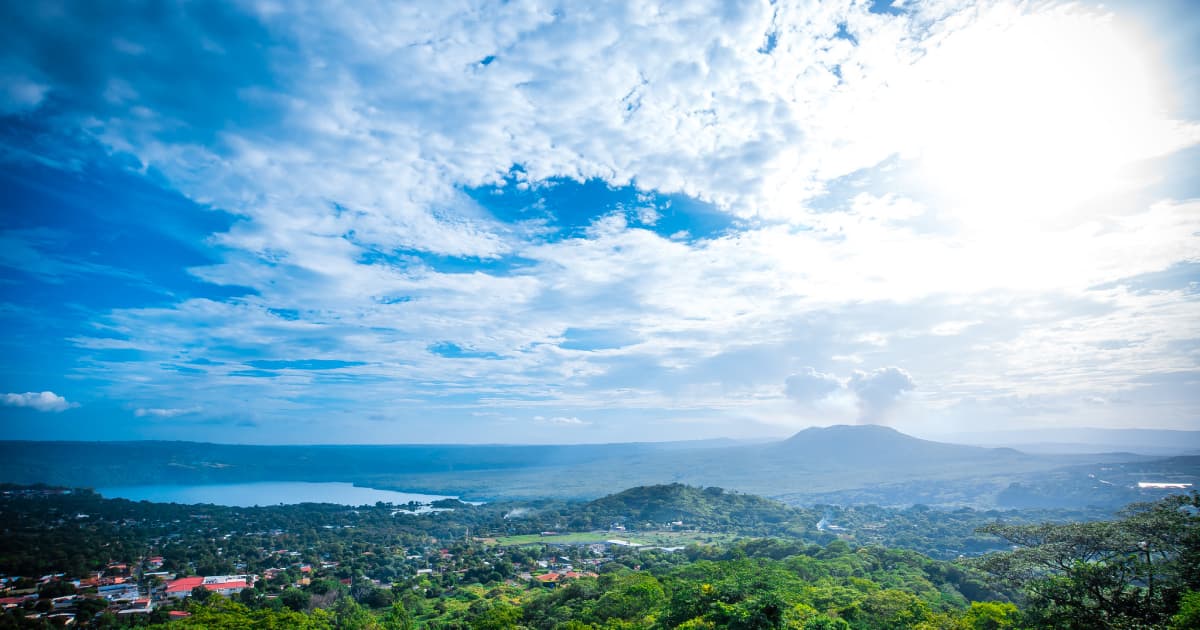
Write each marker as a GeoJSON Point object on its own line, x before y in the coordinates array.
{"type": "Point", "coordinates": [220, 586]}
{"type": "Point", "coordinates": [183, 585]}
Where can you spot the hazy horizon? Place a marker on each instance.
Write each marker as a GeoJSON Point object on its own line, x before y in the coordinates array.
{"type": "Point", "coordinates": [1083, 437]}
{"type": "Point", "coordinates": [583, 224]}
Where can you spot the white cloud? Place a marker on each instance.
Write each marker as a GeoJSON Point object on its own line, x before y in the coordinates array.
{"type": "Point", "coordinates": [560, 420]}
{"type": "Point", "coordinates": [157, 412]}
{"type": "Point", "coordinates": [879, 390]}
{"type": "Point", "coordinates": [40, 401]}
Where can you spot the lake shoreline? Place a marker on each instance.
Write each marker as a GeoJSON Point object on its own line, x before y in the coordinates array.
{"type": "Point", "coordinates": [268, 493]}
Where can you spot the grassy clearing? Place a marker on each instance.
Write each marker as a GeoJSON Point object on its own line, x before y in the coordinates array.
{"type": "Point", "coordinates": [574, 538]}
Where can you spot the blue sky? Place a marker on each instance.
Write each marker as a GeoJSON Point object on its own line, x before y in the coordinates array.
{"type": "Point", "coordinates": [567, 222]}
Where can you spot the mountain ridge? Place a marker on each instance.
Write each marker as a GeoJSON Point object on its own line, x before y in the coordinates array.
{"type": "Point", "coordinates": [842, 446]}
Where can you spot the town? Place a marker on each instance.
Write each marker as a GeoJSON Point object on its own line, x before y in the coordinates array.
{"type": "Point", "coordinates": [152, 558]}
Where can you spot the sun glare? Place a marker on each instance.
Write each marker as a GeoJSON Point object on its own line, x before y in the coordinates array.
{"type": "Point", "coordinates": [1030, 120]}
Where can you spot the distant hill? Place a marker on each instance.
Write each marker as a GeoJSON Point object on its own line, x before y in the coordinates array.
{"type": "Point", "coordinates": [874, 447]}
{"type": "Point", "coordinates": [1112, 484]}
{"type": "Point", "coordinates": [1086, 440]}
{"type": "Point", "coordinates": [693, 506]}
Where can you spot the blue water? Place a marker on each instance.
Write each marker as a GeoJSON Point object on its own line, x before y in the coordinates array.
{"type": "Point", "coordinates": [266, 493]}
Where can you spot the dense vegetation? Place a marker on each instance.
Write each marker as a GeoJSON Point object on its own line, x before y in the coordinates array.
{"type": "Point", "coordinates": [46, 533]}
{"type": "Point", "coordinates": [742, 587]}
{"type": "Point", "coordinates": [1131, 572]}
{"type": "Point", "coordinates": [327, 566]}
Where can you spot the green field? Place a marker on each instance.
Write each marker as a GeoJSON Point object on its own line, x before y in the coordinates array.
{"type": "Point", "coordinates": [648, 538]}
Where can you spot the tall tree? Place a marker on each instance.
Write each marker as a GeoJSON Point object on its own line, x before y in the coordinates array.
{"type": "Point", "coordinates": [1116, 574]}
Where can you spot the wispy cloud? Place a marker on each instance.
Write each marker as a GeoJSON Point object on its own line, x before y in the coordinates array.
{"type": "Point", "coordinates": [570, 421]}
{"type": "Point", "coordinates": [157, 412]}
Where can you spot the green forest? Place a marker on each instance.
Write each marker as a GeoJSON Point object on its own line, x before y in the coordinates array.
{"type": "Point", "coordinates": [737, 561]}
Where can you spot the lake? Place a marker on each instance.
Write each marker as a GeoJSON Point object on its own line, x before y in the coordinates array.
{"type": "Point", "coordinates": [266, 493]}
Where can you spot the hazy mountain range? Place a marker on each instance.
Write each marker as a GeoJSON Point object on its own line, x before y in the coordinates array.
{"type": "Point", "coordinates": [1087, 440]}
{"type": "Point", "coordinates": [842, 464]}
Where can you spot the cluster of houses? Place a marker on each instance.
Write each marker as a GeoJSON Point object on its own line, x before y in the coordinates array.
{"type": "Point", "coordinates": [555, 569]}
{"type": "Point", "coordinates": [554, 578]}
{"type": "Point", "coordinates": [115, 590]}
{"type": "Point", "coordinates": [141, 588]}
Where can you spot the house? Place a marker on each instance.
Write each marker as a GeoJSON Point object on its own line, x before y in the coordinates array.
{"type": "Point", "coordinates": [119, 592]}
{"type": "Point", "coordinates": [182, 587]}
{"type": "Point", "coordinates": [229, 588]}
{"type": "Point", "coordinates": [138, 607]}
{"type": "Point", "coordinates": [13, 602]}
{"type": "Point", "coordinates": [88, 582]}
{"type": "Point", "coordinates": [574, 575]}
{"type": "Point", "coordinates": [226, 585]}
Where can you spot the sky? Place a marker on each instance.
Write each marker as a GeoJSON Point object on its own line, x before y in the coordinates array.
{"type": "Point", "coordinates": [564, 222]}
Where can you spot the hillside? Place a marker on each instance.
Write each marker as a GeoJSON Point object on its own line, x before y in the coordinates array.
{"type": "Point", "coordinates": [706, 508]}
{"type": "Point", "coordinates": [874, 446]}
{"type": "Point", "coordinates": [1161, 442]}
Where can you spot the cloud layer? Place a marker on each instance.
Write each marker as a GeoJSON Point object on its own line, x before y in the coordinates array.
{"type": "Point", "coordinates": [489, 220]}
